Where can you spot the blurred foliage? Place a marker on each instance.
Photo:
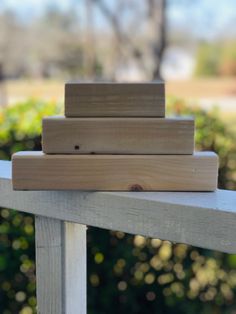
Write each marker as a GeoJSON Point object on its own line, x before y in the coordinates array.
{"type": "Point", "coordinates": [216, 59]}
{"type": "Point", "coordinates": [21, 125]}
{"type": "Point", "coordinates": [126, 274]}
{"type": "Point", "coordinates": [214, 135]}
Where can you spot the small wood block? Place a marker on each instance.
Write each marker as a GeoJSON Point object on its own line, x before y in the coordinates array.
{"type": "Point", "coordinates": [118, 136]}
{"type": "Point", "coordinates": [115, 99]}
{"type": "Point", "coordinates": [38, 171]}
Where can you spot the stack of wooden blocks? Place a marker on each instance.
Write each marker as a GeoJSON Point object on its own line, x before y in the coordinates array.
{"type": "Point", "coordinates": [115, 137]}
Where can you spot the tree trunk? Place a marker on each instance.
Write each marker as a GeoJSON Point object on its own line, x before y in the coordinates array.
{"type": "Point", "coordinates": [157, 18]}
{"type": "Point", "coordinates": [90, 58]}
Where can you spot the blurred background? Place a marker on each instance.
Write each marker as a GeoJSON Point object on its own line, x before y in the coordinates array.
{"type": "Point", "coordinates": [189, 44]}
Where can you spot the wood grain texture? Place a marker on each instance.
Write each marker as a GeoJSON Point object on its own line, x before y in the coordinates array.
{"type": "Point", "coordinates": [37, 171]}
{"type": "Point", "coordinates": [115, 99]}
{"type": "Point", "coordinates": [60, 266]}
{"type": "Point", "coordinates": [118, 136]}
{"type": "Point", "coordinates": [203, 219]}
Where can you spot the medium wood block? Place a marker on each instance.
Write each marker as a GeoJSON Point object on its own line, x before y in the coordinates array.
{"type": "Point", "coordinates": [118, 136]}
{"type": "Point", "coordinates": [115, 99]}
{"type": "Point", "coordinates": [38, 171]}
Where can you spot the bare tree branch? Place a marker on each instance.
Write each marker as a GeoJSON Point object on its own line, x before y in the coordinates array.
{"type": "Point", "coordinates": [156, 34]}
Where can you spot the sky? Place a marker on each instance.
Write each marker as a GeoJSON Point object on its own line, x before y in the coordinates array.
{"type": "Point", "coordinates": [205, 18]}
{"type": "Point", "coordinates": [37, 6]}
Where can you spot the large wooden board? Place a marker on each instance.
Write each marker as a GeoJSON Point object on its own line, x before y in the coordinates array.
{"type": "Point", "coordinates": [37, 171]}
{"type": "Point", "coordinates": [118, 135]}
{"type": "Point", "coordinates": [115, 99]}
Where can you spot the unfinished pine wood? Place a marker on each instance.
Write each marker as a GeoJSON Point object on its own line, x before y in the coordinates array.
{"type": "Point", "coordinates": [60, 266]}
{"type": "Point", "coordinates": [115, 99]}
{"type": "Point", "coordinates": [37, 171]}
{"type": "Point", "coordinates": [118, 136]}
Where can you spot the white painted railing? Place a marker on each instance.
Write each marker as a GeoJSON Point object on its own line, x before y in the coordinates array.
{"type": "Point", "coordinates": [204, 219]}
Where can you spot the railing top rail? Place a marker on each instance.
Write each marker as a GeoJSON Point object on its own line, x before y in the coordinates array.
{"type": "Point", "coordinates": [202, 219]}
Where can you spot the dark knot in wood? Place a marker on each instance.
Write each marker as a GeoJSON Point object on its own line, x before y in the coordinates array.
{"type": "Point", "coordinates": [136, 188]}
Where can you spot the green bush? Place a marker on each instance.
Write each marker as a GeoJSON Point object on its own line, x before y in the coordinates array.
{"type": "Point", "coordinates": [21, 126]}
{"type": "Point", "coordinates": [215, 59]}
{"type": "Point", "coordinates": [208, 60]}
{"type": "Point", "coordinates": [126, 274]}
{"type": "Point", "coordinates": [214, 135]}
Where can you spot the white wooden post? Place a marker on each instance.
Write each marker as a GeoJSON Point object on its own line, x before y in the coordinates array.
{"type": "Point", "coordinates": [60, 266]}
